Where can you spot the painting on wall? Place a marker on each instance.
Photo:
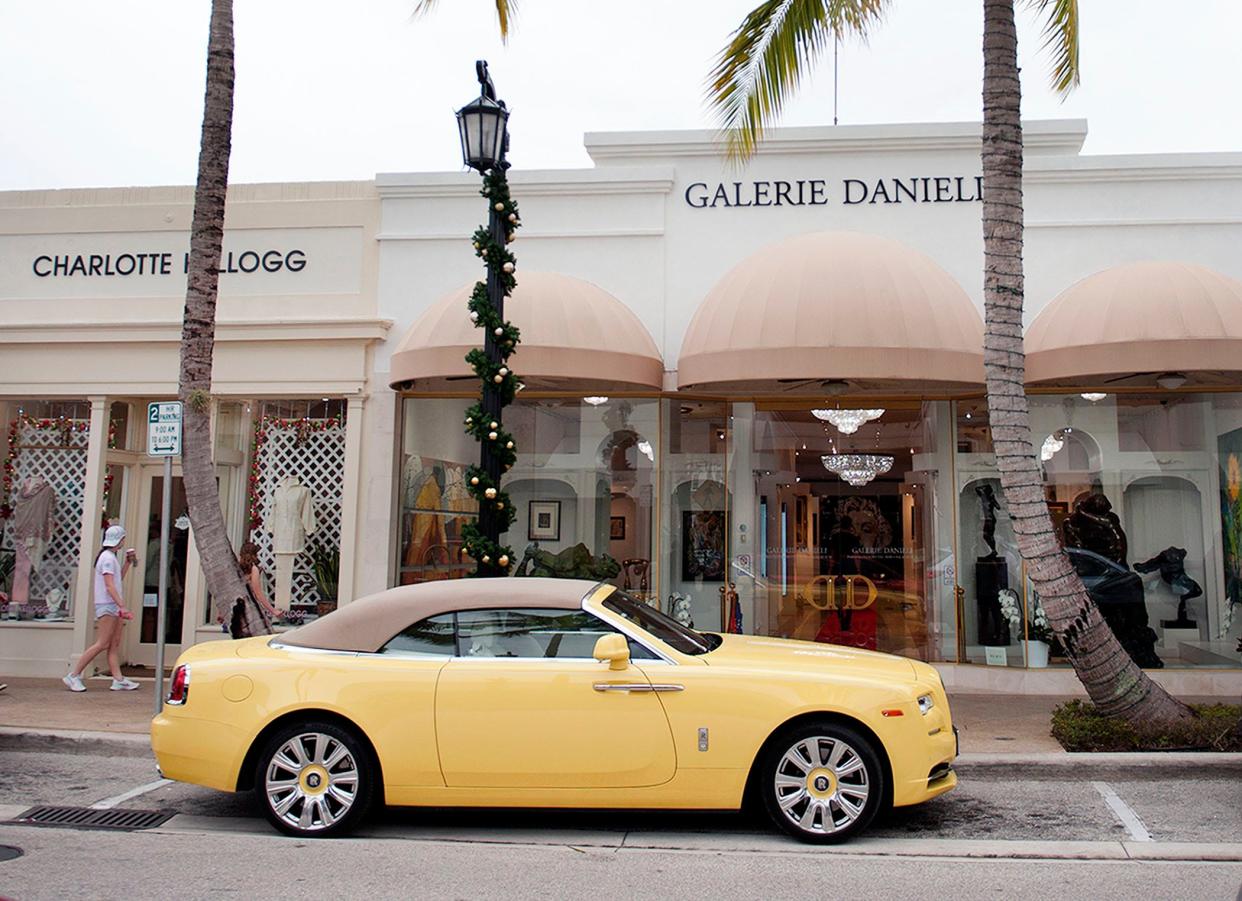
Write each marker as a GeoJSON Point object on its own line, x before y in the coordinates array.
{"type": "Point", "coordinates": [545, 521]}
{"type": "Point", "coordinates": [703, 545]}
{"type": "Point", "coordinates": [616, 528]}
{"type": "Point", "coordinates": [1230, 448]}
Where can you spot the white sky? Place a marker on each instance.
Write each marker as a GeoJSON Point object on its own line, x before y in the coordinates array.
{"type": "Point", "coordinates": [110, 93]}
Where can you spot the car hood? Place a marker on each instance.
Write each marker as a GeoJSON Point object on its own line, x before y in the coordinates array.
{"type": "Point", "coordinates": [811, 656]}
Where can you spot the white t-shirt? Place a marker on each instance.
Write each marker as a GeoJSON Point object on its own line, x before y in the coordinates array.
{"type": "Point", "coordinates": [107, 563]}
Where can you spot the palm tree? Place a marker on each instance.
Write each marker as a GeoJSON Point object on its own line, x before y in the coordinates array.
{"type": "Point", "coordinates": [756, 72]}
{"type": "Point", "coordinates": [224, 580]}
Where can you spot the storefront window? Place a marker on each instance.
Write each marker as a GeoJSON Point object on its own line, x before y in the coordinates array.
{"type": "Point", "coordinates": [583, 488]}
{"type": "Point", "coordinates": [44, 477]}
{"type": "Point", "coordinates": [1138, 486]}
{"type": "Point", "coordinates": [295, 489]}
{"type": "Point", "coordinates": [118, 426]}
{"type": "Point", "coordinates": [845, 509]}
{"type": "Point", "coordinates": [695, 525]}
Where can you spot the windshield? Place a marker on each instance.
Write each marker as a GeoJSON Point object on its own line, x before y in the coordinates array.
{"type": "Point", "coordinates": [669, 631]}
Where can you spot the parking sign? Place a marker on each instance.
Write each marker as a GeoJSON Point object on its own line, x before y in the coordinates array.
{"type": "Point", "coordinates": [164, 429]}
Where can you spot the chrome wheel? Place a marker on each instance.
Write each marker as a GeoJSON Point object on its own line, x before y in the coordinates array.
{"type": "Point", "coordinates": [822, 785]}
{"type": "Point", "coordinates": [311, 782]}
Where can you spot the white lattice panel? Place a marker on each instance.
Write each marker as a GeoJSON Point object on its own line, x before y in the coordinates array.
{"type": "Point", "coordinates": [58, 455]}
{"type": "Point", "coordinates": [317, 458]}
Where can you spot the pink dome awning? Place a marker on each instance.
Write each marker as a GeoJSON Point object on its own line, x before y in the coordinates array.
{"type": "Point", "coordinates": [1135, 319]}
{"type": "Point", "coordinates": [574, 335]}
{"type": "Point", "coordinates": [834, 305]}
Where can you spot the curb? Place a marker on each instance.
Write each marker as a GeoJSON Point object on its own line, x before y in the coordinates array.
{"type": "Point", "coordinates": [1149, 763]}
{"type": "Point", "coordinates": [121, 744]}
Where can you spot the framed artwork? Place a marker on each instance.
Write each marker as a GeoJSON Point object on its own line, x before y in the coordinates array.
{"type": "Point", "coordinates": [545, 521]}
{"type": "Point", "coordinates": [1058, 510]}
{"type": "Point", "coordinates": [703, 545]}
{"type": "Point", "coordinates": [616, 528]}
{"type": "Point", "coordinates": [1229, 446]}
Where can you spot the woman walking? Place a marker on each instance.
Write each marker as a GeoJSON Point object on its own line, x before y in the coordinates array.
{"type": "Point", "coordinates": [110, 613]}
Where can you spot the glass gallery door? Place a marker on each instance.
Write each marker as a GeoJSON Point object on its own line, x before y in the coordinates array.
{"type": "Point", "coordinates": [143, 580]}
{"type": "Point", "coordinates": [845, 521]}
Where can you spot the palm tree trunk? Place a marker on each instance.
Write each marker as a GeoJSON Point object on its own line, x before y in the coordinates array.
{"type": "Point", "coordinates": [198, 330]}
{"type": "Point", "coordinates": [1113, 681]}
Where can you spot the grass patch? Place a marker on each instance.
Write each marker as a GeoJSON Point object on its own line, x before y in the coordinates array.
{"type": "Point", "coordinates": [1078, 726]}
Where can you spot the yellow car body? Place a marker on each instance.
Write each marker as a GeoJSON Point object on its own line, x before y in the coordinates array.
{"type": "Point", "coordinates": [678, 731]}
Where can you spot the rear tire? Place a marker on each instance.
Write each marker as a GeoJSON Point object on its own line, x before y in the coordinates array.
{"type": "Point", "coordinates": [315, 780]}
{"type": "Point", "coordinates": [822, 782]}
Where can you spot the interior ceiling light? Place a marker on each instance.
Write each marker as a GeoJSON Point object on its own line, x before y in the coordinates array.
{"type": "Point", "coordinates": [595, 400]}
{"type": "Point", "coordinates": [644, 448]}
{"type": "Point", "coordinates": [847, 421]}
{"type": "Point", "coordinates": [1094, 396]}
{"type": "Point", "coordinates": [857, 469]}
{"type": "Point", "coordinates": [1170, 381]}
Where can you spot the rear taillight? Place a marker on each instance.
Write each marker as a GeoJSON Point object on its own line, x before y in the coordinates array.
{"type": "Point", "coordinates": [179, 690]}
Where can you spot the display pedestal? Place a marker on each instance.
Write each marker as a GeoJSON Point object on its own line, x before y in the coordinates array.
{"type": "Point", "coordinates": [1172, 639]}
{"type": "Point", "coordinates": [991, 576]}
{"type": "Point", "coordinates": [1036, 654]}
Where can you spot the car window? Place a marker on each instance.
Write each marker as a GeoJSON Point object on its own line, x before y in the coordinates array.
{"type": "Point", "coordinates": [563, 634]}
{"type": "Point", "coordinates": [433, 636]}
{"type": "Point", "coordinates": [662, 627]}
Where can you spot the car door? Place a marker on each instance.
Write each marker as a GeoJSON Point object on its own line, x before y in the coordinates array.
{"type": "Point", "coordinates": [525, 705]}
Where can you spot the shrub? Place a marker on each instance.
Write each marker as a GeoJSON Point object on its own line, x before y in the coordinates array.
{"type": "Point", "coordinates": [1078, 726]}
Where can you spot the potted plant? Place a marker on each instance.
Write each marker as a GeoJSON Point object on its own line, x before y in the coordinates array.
{"type": "Point", "coordinates": [1039, 636]}
{"type": "Point", "coordinates": [326, 565]}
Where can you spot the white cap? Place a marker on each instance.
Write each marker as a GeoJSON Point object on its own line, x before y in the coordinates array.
{"type": "Point", "coordinates": [114, 536]}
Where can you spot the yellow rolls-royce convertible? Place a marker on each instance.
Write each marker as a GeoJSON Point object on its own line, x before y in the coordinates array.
{"type": "Point", "coordinates": [551, 693]}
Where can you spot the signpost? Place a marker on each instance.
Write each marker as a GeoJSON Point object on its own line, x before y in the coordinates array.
{"type": "Point", "coordinates": [163, 440]}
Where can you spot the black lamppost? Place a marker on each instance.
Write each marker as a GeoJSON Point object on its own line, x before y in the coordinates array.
{"type": "Point", "coordinates": [483, 126]}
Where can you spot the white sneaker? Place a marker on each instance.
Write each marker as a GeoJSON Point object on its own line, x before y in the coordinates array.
{"type": "Point", "coordinates": [74, 682]}
{"type": "Point", "coordinates": [124, 685]}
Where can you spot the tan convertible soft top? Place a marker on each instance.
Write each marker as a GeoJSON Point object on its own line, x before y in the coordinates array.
{"type": "Point", "coordinates": [368, 623]}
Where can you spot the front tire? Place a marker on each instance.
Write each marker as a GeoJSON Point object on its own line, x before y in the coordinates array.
{"type": "Point", "coordinates": [315, 780]}
{"type": "Point", "coordinates": [821, 782]}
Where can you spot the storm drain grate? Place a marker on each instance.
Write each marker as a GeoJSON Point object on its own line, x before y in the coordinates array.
{"type": "Point", "coordinates": [91, 818]}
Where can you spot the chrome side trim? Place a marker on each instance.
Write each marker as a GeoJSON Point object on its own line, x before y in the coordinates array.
{"type": "Point", "coordinates": [301, 650]}
{"type": "Point", "coordinates": [637, 686]}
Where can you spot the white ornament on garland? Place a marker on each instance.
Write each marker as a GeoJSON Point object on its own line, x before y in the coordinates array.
{"type": "Point", "coordinates": [490, 493]}
{"type": "Point", "coordinates": [504, 560]}
{"type": "Point", "coordinates": [500, 207]}
{"type": "Point", "coordinates": [492, 436]}
{"type": "Point", "coordinates": [474, 316]}
{"type": "Point", "coordinates": [508, 267]}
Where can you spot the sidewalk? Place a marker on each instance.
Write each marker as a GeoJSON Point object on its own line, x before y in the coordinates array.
{"type": "Point", "coordinates": [988, 723]}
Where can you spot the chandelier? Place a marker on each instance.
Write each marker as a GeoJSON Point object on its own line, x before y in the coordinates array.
{"type": "Point", "coordinates": [847, 421]}
{"type": "Point", "coordinates": [857, 469]}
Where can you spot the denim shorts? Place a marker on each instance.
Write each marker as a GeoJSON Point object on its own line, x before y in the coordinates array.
{"type": "Point", "coordinates": [109, 609]}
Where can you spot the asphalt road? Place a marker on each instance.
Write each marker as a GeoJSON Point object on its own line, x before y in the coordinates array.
{"type": "Point", "coordinates": [220, 846]}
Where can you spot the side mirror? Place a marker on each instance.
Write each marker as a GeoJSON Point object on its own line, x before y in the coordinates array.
{"type": "Point", "coordinates": [613, 648]}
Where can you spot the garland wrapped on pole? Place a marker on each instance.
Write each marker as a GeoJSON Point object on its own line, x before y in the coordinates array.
{"type": "Point", "coordinates": [484, 142]}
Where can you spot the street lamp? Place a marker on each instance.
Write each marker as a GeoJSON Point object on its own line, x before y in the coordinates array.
{"type": "Point", "coordinates": [483, 126]}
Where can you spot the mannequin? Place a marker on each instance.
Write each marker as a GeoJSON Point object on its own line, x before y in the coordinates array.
{"type": "Point", "coordinates": [291, 519]}
{"type": "Point", "coordinates": [33, 515]}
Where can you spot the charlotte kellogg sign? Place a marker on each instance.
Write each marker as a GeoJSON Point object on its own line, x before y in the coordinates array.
{"type": "Point", "coordinates": [846, 192]}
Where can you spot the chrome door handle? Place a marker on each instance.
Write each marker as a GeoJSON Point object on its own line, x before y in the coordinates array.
{"type": "Point", "coordinates": [636, 686]}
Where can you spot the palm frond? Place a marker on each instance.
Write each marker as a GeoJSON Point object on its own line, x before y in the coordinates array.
{"type": "Point", "coordinates": [764, 62]}
{"type": "Point", "coordinates": [506, 10]}
{"type": "Point", "coordinates": [1061, 41]}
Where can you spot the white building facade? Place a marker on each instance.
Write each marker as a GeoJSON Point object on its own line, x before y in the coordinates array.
{"type": "Point", "coordinates": [753, 396]}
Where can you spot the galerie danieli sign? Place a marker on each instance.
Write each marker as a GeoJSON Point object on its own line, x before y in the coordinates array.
{"type": "Point", "coordinates": [161, 263]}
{"type": "Point", "coordinates": [846, 192]}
